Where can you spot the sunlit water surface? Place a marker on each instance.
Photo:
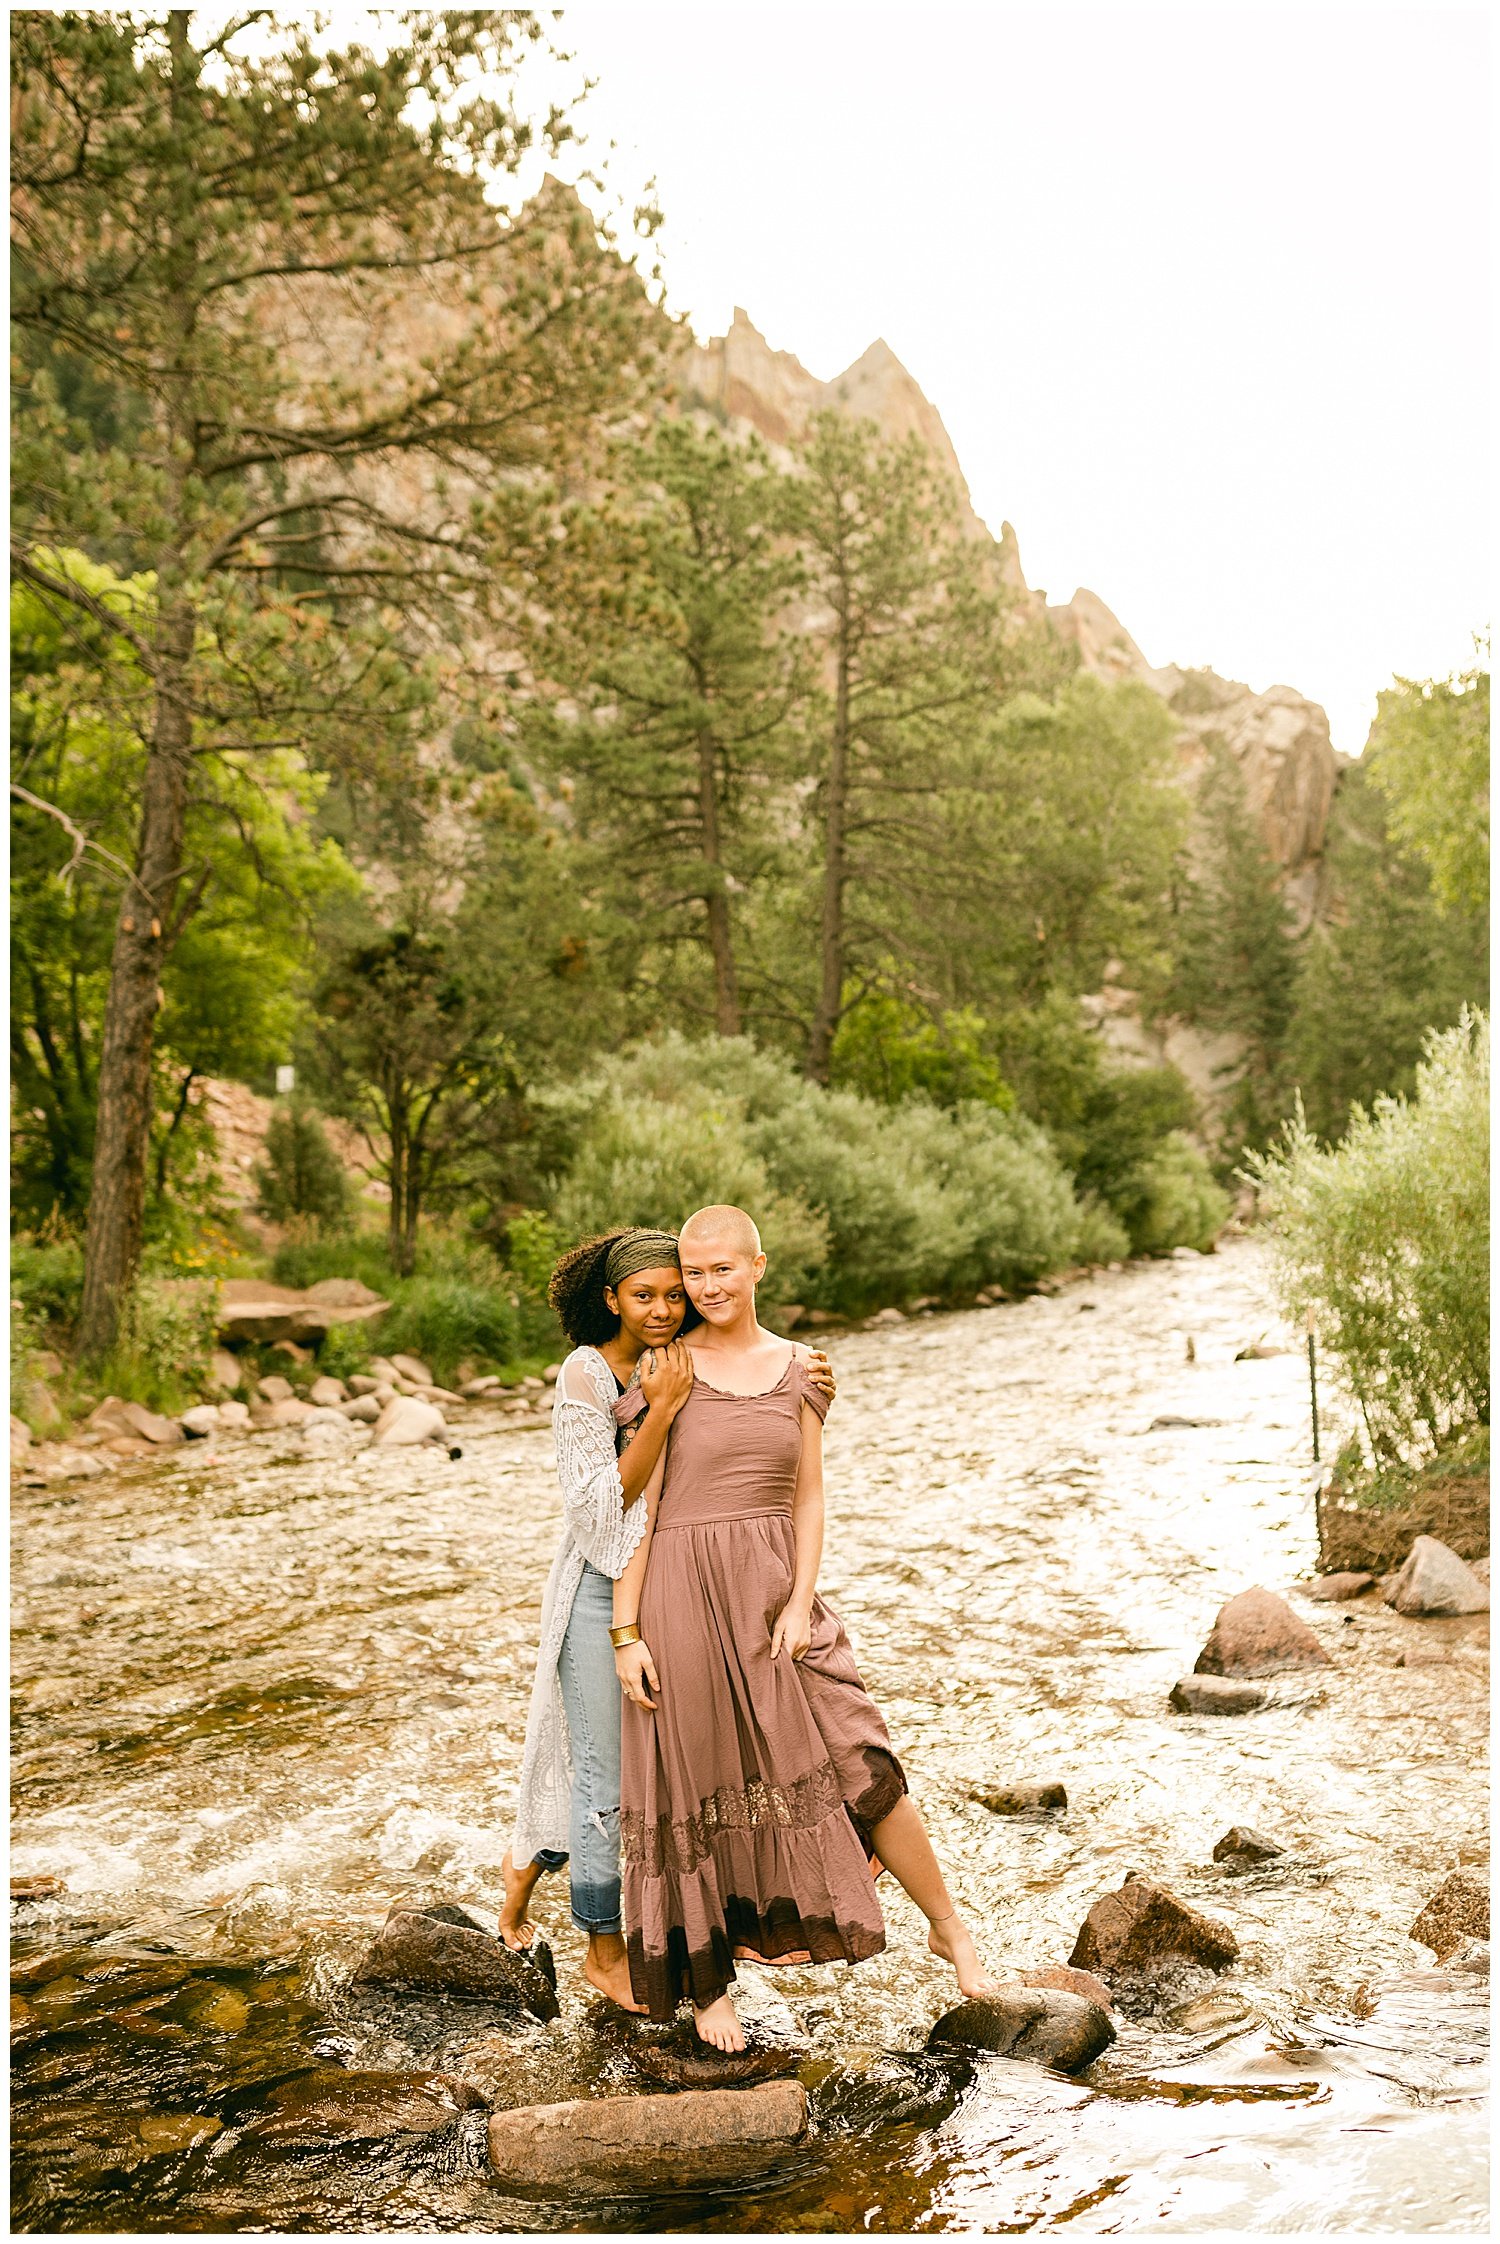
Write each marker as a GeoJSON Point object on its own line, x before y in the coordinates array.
{"type": "Point", "coordinates": [260, 1698]}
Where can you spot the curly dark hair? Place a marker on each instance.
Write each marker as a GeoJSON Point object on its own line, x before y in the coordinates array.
{"type": "Point", "coordinates": [576, 1291]}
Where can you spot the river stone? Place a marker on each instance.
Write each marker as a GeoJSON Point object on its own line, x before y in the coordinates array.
{"type": "Point", "coordinates": [1216, 1694]}
{"type": "Point", "coordinates": [1241, 1844]}
{"type": "Point", "coordinates": [484, 1385]}
{"type": "Point", "coordinates": [1022, 1798]}
{"type": "Point", "coordinates": [413, 1368]}
{"type": "Point", "coordinates": [134, 1421]}
{"type": "Point", "coordinates": [405, 1421]}
{"type": "Point", "coordinates": [291, 1411]}
{"type": "Point", "coordinates": [332, 2106]}
{"type": "Point", "coordinates": [326, 1392]}
{"type": "Point", "coordinates": [1257, 1633]}
{"type": "Point", "coordinates": [676, 2056]}
{"type": "Point", "coordinates": [363, 1383]}
{"type": "Point", "coordinates": [1458, 1911]}
{"type": "Point", "coordinates": [1334, 1588]}
{"type": "Point", "coordinates": [1436, 1580]}
{"type": "Point", "coordinates": [363, 1410]}
{"type": "Point", "coordinates": [865, 2091]}
{"type": "Point", "coordinates": [1472, 1956]}
{"type": "Point", "coordinates": [20, 1436]}
{"type": "Point", "coordinates": [1142, 1928]}
{"type": "Point", "coordinates": [224, 1370]}
{"type": "Point", "coordinates": [439, 1952]}
{"type": "Point", "coordinates": [1069, 1982]}
{"type": "Point", "coordinates": [234, 1414]}
{"type": "Point", "coordinates": [617, 2144]}
{"type": "Point", "coordinates": [1043, 2024]}
{"type": "Point", "coordinates": [273, 1388]}
{"type": "Point", "coordinates": [200, 1421]}
{"type": "Point", "coordinates": [37, 1889]}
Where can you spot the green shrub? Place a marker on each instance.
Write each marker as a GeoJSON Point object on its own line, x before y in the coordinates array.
{"type": "Point", "coordinates": [48, 1279]}
{"type": "Point", "coordinates": [345, 1350]}
{"type": "Point", "coordinates": [859, 1202]}
{"type": "Point", "coordinates": [1385, 1239]}
{"type": "Point", "coordinates": [301, 1175]}
{"type": "Point", "coordinates": [305, 1259]}
{"type": "Point", "coordinates": [1180, 1204]}
{"type": "Point", "coordinates": [653, 1164]}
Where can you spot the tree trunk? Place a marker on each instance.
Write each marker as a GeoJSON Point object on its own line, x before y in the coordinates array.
{"type": "Point", "coordinates": [122, 1130]}
{"type": "Point", "coordinates": [835, 872]}
{"type": "Point", "coordinates": [721, 944]}
{"type": "Point", "coordinates": [399, 1239]}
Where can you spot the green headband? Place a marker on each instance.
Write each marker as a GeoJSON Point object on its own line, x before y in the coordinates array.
{"type": "Point", "coordinates": [639, 1250]}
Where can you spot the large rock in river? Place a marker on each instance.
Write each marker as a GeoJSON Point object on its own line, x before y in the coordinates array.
{"type": "Point", "coordinates": [331, 2106]}
{"type": "Point", "coordinates": [620, 2144]}
{"type": "Point", "coordinates": [1065, 2031]}
{"type": "Point", "coordinates": [677, 2056]}
{"type": "Point", "coordinates": [1142, 1929]}
{"type": "Point", "coordinates": [442, 1951]}
{"type": "Point", "coordinates": [1435, 1580]}
{"type": "Point", "coordinates": [1257, 1633]}
{"type": "Point", "coordinates": [1458, 1911]}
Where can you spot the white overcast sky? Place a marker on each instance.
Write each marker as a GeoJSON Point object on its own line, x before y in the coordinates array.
{"type": "Point", "coordinates": [1200, 293]}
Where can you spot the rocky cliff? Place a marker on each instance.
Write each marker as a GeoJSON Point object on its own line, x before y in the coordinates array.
{"type": "Point", "coordinates": [1279, 738]}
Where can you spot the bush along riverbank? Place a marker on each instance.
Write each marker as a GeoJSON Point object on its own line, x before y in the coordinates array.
{"type": "Point", "coordinates": [866, 1208]}
{"type": "Point", "coordinates": [1382, 1250]}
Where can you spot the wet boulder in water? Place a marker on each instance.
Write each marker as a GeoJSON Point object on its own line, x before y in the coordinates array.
{"type": "Point", "coordinates": [1068, 1981]}
{"type": "Point", "coordinates": [1334, 1589]}
{"type": "Point", "coordinates": [1027, 1797]}
{"type": "Point", "coordinates": [1458, 1911]}
{"type": "Point", "coordinates": [1257, 1633]}
{"type": "Point", "coordinates": [331, 2106]}
{"type": "Point", "coordinates": [1435, 1580]}
{"type": "Point", "coordinates": [443, 1951]}
{"type": "Point", "coordinates": [866, 2090]}
{"type": "Point", "coordinates": [1242, 1845]}
{"type": "Point", "coordinates": [1216, 1694]}
{"type": "Point", "coordinates": [676, 2056]}
{"type": "Point", "coordinates": [1043, 2024]}
{"type": "Point", "coordinates": [1143, 1932]}
{"type": "Point", "coordinates": [616, 2144]}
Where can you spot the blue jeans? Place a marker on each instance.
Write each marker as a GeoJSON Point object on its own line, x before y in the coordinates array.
{"type": "Point", "coordinates": [591, 1698]}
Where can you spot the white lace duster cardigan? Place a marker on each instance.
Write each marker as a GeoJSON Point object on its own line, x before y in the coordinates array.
{"type": "Point", "coordinates": [596, 1528]}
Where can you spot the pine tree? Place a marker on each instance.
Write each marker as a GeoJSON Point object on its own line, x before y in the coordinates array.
{"type": "Point", "coordinates": [916, 636]}
{"type": "Point", "coordinates": [1386, 963]}
{"type": "Point", "coordinates": [1236, 952]}
{"type": "Point", "coordinates": [675, 683]}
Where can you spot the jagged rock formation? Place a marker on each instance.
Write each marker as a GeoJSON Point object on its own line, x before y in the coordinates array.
{"type": "Point", "coordinates": [1279, 738]}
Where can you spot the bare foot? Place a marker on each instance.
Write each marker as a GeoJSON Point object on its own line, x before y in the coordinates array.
{"type": "Point", "coordinates": [613, 1980]}
{"type": "Point", "coordinates": [950, 1938]}
{"type": "Point", "coordinates": [516, 1928]}
{"type": "Point", "coordinates": [719, 2025]}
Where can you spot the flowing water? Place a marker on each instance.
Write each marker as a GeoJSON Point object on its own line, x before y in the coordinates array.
{"type": "Point", "coordinates": [261, 1698]}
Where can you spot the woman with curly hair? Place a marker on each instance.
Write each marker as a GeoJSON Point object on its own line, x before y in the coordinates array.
{"type": "Point", "coordinates": [620, 1300]}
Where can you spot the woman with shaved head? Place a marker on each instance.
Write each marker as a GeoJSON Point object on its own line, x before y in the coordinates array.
{"type": "Point", "coordinates": [758, 1782]}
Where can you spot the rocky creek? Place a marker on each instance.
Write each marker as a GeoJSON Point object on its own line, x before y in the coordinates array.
{"type": "Point", "coordinates": [262, 1697]}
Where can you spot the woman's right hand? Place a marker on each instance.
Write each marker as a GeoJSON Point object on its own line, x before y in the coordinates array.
{"type": "Point", "coordinates": [635, 1668]}
{"type": "Point", "coordinates": [667, 1376]}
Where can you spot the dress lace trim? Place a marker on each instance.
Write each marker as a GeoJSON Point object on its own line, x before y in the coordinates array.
{"type": "Point", "coordinates": [682, 1843]}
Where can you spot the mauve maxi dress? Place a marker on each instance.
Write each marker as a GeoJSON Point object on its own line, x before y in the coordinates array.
{"type": "Point", "coordinates": [748, 1795]}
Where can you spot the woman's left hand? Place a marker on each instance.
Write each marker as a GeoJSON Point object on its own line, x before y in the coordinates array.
{"type": "Point", "coordinates": [793, 1630]}
{"type": "Point", "coordinates": [820, 1372]}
